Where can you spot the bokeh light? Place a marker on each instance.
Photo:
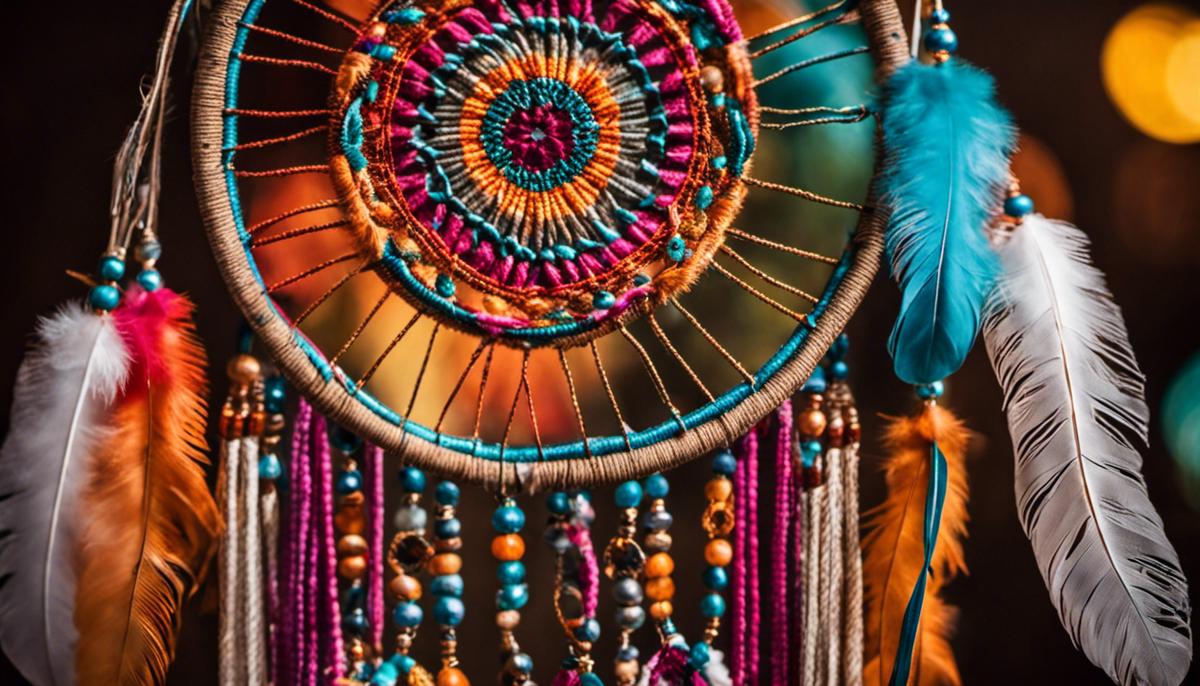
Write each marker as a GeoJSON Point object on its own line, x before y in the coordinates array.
{"type": "Point", "coordinates": [1151, 68]}
{"type": "Point", "coordinates": [1181, 426]}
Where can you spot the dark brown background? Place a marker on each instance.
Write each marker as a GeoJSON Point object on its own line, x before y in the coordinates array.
{"type": "Point", "coordinates": [70, 72]}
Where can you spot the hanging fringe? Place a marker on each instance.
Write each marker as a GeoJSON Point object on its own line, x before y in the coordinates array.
{"type": "Point", "coordinates": [781, 537]}
{"type": "Point", "coordinates": [898, 550]}
{"type": "Point", "coordinates": [374, 476]}
{"type": "Point", "coordinates": [292, 662]}
{"type": "Point", "coordinates": [744, 586]}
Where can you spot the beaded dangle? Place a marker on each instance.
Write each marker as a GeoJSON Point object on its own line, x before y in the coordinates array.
{"type": "Point", "coordinates": [353, 553]}
{"type": "Point", "coordinates": [447, 583]}
{"type": "Point", "coordinates": [409, 552]}
{"type": "Point", "coordinates": [718, 522]}
{"type": "Point", "coordinates": [576, 584]}
{"type": "Point", "coordinates": [271, 478]}
{"type": "Point", "coordinates": [508, 547]}
{"type": "Point", "coordinates": [624, 562]}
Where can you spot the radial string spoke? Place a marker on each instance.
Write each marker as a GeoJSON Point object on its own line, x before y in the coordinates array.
{"type": "Point", "coordinates": [759, 294]}
{"type": "Point", "coordinates": [458, 386]}
{"type": "Point", "coordinates": [655, 377]}
{"type": "Point", "coordinates": [533, 422]}
{"type": "Point", "coordinates": [802, 33]}
{"type": "Point", "coordinates": [612, 397]}
{"type": "Point", "coordinates": [294, 233]}
{"type": "Point", "coordinates": [277, 114]}
{"type": "Point", "coordinates": [758, 240]}
{"type": "Point", "coordinates": [819, 121]}
{"type": "Point", "coordinates": [313, 207]}
{"type": "Point", "coordinates": [412, 401]}
{"type": "Point", "coordinates": [296, 40]}
{"type": "Point", "coordinates": [801, 193]}
{"type": "Point", "coordinates": [704, 333]}
{"type": "Point", "coordinates": [810, 62]}
{"type": "Point", "coordinates": [666, 343]}
{"type": "Point", "coordinates": [281, 62]}
{"type": "Point", "coordinates": [277, 140]}
{"type": "Point", "coordinates": [767, 277]}
{"type": "Point", "coordinates": [362, 381]}
{"type": "Point", "coordinates": [562, 358]}
{"type": "Point", "coordinates": [283, 171]}
{"type": "Point", "coordinates": [360, 328]}
{"type": "Point", "coordinates": [340, 21]}
{"type": "Point", "coordinates": [310, 271]}
{"type": "Point", "coordinates": [483, 383]}
{"type": "Point", "coordinates": [802, 19]}
{"type": "Point", "coordinates": [325, 296]}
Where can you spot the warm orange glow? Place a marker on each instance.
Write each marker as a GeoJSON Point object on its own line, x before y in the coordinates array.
{"type": "Point", "coordinates": [1151, 69]}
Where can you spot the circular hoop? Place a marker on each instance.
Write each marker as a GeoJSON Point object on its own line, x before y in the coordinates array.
{"type": "Point", "coordinates": [609, 458]}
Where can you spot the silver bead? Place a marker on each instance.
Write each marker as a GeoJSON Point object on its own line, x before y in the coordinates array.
{"type": "Point", "coordinates": [410, 518]}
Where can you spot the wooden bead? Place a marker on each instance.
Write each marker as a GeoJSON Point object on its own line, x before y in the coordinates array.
{"type": "Point", "coordinates": [351, 544]}
{"type": "Point", "coordinates": [349, 522]}
{"type": "Point", "coordinates": [662, 610]}
{"type": "Point", "coordinates": [405, 587]}
{"type": "Point", "coordinates": [662, 588]}
{"type": "Point", "coordinates": [812, 423]}
{"type": "Point", "coordinates": [352, 567]}
{"type": "Point", "coordinates": [718, 552]}
{"type": "Point", "coordinates": [448, 544]}
{"type": "Point", "coordinates": [508, 547]}
{"type": "Point", "coordinates": [244, 369]}
{"type": "Point", "coordinates": [718, 489]}
{"type": "Point", "coordinates": [659, 564]}
{"type": "Point", "coordinates": [452, 676]}
{"type": "Point", "coordinates": [508, 619]}
{"type": "Point", "coordinates": [445, 563]}
{"type": "Point", "coordinates": [353, 500]}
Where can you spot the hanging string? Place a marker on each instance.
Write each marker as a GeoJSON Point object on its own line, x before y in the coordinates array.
{"type": "Point", "coordinates": [291, 646]}
{"type": "Point", "coordinates": [373, 472]}
{"type": "Point", "coordinates": [784, 516]}
{"type": "Point", "coordinates": [331, 650]}
{"type": "Point", "coordinates": [746, 625]}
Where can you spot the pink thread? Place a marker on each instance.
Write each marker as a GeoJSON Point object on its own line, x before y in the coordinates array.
{"type": "Point", "coordinates": [745, 624]}
{"type": "Point", "coordinates": [589, 569]}
{"type": "Point", "coordinates": [566, 677]}
{"type": "Point", "coordinates": [780, 637]}
{"type": "Point", "coordinates": [753, 622]}
{"type": "Point", "coordinates": [289, 649]}
{"type": "Point", "coordinates": [737, 591]}
{"type": "Point", "coordinates": [375, 514]}
{"type": "Point", "coordinates": [331, 649]}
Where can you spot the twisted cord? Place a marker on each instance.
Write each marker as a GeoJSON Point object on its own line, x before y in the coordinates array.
{"type": "Point", "coordinates": [294, 644]}
{"type": "Point", "coordinates": [852, 657]}
{"type": "Point", "coordinates": [375, 517]}
{"type": "Point", "coordinates": [228, 644]}
{"type": "Point", "coordinates": [832, 530]}
{"type": "Point", "coordinates": [780, 637]}
{"type": "Point", "coordinates": [250, 597]}
{"type": "Point", "coordinates": [737, 658]}
{"type": "Point", "coordinates": [812, 548]}
{"type": "Point", "coordinates": [269, 503]}
{"type": "Point", "coordinates": [754, 620]}
{"type": "Point", "coordinates": [332, 652]}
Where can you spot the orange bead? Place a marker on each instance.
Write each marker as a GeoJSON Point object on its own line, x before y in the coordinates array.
{"type": "Point", "coordinates": [352, 567]}
{"type": "Point", "coordinates": [659, 564]}
{"type": "Point", "coordinates": [349, 522]}
{"type": "Point", "coordinates": [660, 589]}
{"type": "Point", "coordinates": [445, 563]}
{"type": "Point", "coordinates": [452, 676]}
{"type": "Point", "coordinates": [718, 552]}
{"type": "Point", "coordinates": [662, 610]}
{"type": "Point", "coordinates": [351, 544]}
{"type": "Point", "coordinates": [718, 489]}
{"type": "Point", "coordinates": [508, 547]}
{"type": "Point", "coordinates": [405, 587]}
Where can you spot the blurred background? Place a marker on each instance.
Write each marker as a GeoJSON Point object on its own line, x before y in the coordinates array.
{"type": "Point", "coordinates": [1107, 94]}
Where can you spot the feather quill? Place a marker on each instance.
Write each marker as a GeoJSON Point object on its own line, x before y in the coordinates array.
{"type": "Point", "coordinates": [948, 144]}
{"type": "Point", "coordinates": [1077, 415]}
{"type": "Point", "coordinates": [894, 553]}
{"type": "Point", "coordinates": [151, 522]}
{"type": "Point", "coordinates": [65, 385]}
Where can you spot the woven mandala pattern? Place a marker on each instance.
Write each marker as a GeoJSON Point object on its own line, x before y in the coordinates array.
{"type": "Point", "coordinates": [556, 156]}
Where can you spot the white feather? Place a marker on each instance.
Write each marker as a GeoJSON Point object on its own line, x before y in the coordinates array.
{"type": "Point", "coordinates": [65, 385]}
{"type": "Point", "coordinates": [716, 673]}
{"type": "Point", "coordinates": [1076, 411]}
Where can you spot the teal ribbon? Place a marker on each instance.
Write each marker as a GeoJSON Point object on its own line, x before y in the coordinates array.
{"type": "Point", "coordinates": [935, 498]}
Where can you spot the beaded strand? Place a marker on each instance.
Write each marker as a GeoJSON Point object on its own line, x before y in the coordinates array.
{"type": "Point", "coordinates": [576, 583]}
{"type": "Point", "coordinates": [447, 583]}
{"type": "Point", "coordinates": [508, 547]}
{"type": "Point", "coordinates": [352, 553]}
{"type": "Point", "coordinates": [718, 521]}
{"type": "Point", "coordinates": [624, 562]}
{"type": "Point", "coordinates": [408, 553]}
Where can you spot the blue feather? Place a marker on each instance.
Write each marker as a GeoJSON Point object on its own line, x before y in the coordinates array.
{"type": "Point", "coordinates": [948, 145]}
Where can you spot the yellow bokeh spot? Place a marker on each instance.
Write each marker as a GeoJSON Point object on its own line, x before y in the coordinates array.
{"type": "Point", "coordinates": [1151, 69]}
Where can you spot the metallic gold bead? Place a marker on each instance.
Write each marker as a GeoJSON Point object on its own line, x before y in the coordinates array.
{"type": "Point", "coordinates": [712, 78]}
{"type": "Point", "coordinates": [812, 423]}
{"type": "Point", "coordinates": [718, 489]}
{"type": "Point", "coordinates": [352, 567]}
{"type": "Point", "coordinates": [243, 369]}
{"type": "Point", "coordinates": [351, 544]}
{"type": "Point", "coordinates": [405, 587]}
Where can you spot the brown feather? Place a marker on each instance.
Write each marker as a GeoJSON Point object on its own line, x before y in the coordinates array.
{"type": "Point", "coordinates": [152, 524]}
{"type": "Point", "coordinates": [894, 549]}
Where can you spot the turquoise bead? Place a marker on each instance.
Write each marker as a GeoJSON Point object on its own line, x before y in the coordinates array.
{"type": "Point", "coordinates": [349, 482]}
{"type": "Point", "coordinates": [713, 605]}
{"type": "Point", "coordinates": [930, 391]}
{"type": "Point", "coordinates": [269, 467]}
{"type": "Point", "coordinates": [448, 528]}
{"type": "Point", "coordinates": [628, 494]}
{"type": "Point", "coordinates": [520, 663]}
{"type": "Point", "coordinates": [590, 679]}
{"type": "Point", "coordinates": [839, 370]}
{"type": "Point", "coordinates": [274, 394]}
{"type": "Point", "coordinates": [508, 519]}
{"type": "Point", "coordinates": [412, 479]}
{"type": "Point", "coordinates": [699, 655]}
{"type": "Point", "coordinates": [816, 382]}
{"type": "Point", "coordinates": [676, 248]}
{"type": "Point", "coordinates": [704, 197]}
{"type": "Point", "coordinates": [385, 675]}
{"type": "Point", "coordinates": [1018, 205]}
{"type": "Point", "coordinates": [511, 573]}
{"type": "Point", "coordinates": [939, 16]}
{"type": "Point", "coordinates": [450, 585]}
{"type": "Point", "coordinates": [656, 486]}
{"type": "Point", "coordinates": [150, 279]}
{"type": "Point", "coordinates": [588, 631]}
{"type": "Point", "coordinates": [724, 463]}
{"type": "Point", "coordinates": [407, 614]}
{"type": "Point", "coordinates": [449, 611]}
{"type": "Point", "coordinates": [941, 40]}
{"type": "Point", "coordinates": [603, 300]}
{"type": "Point", "coordinates": [447, 493]}
{"type": "Point", "coordinates": [344, 440]}
{"type": "Point", "coordinates": [403, 663]}
{"type": "Point", "coordinates": [558, 503]}
{"type": "Point", "coordinates": [512, 597]}
{"type": "Point", "coordinates": [356, 623]}
{"type": "Point", "coordinates": [104, 297]}
{"type": "Point", "coordinates": [445, 286]}
{"type": "Point", "coordinates": [110, 268]}
{"type": "Point", "coordinates": [716, 578]}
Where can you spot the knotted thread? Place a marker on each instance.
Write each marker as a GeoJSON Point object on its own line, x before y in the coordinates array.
{"type": "Point", "coordinates": [780, 558]}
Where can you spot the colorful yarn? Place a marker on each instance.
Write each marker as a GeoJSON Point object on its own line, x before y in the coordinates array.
{"type": "Point", "coordinates": [540, 152]}
{"type": "Point", "coordinates": [331, 651]}
{"type": "Point", "coordinates": [781, 591]}
{"type": "Point", "coordinates": [373, 457]}
{"type": "Point", "coordinates": [291, 643]}
{"type": "Point", "coordinates": [746, 607]}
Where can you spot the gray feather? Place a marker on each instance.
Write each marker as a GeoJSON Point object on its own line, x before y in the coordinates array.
{"type": "Point", "coordinates": [1078, 418]}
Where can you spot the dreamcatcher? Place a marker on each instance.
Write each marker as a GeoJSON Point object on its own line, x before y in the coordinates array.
{"type": "Point", "coordinates": [515, 244]}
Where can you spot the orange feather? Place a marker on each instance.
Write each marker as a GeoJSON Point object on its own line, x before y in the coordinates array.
{"type": "Point", "coordinates": [894, 550]}
{"type": "Point", "coordinates": [152, 524]}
